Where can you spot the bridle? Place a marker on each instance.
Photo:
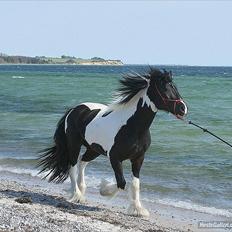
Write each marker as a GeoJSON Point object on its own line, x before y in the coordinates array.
{"type": "Point", "coordinates": [166, 101]}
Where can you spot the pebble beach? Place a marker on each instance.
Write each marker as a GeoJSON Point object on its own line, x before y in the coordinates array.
{"type": "Point", "coordinates": [30, 204]}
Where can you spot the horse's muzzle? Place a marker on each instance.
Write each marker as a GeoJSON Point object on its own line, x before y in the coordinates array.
{"type": "Point", "coordinates": [181, 109]}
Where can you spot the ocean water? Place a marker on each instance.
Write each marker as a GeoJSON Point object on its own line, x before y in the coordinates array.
{"type": "Point", "coordinates": [184, 167]}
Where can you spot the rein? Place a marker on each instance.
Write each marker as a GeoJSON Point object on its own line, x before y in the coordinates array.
{"type": "Point", "coordinates": [207, 131]}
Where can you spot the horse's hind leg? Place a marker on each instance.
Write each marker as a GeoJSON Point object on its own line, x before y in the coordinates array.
{"type": "Point", "coordinates": [74, 146]}
{"type": "Point", "coordinates": [86, 158]}
{"type": "Point", "coordinates": [76, 193]}
{"type": "Point", "coordinates": [81, 178]}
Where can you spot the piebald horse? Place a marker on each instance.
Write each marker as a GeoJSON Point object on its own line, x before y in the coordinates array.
{"type": "Point", "coordinates": [119, 130]}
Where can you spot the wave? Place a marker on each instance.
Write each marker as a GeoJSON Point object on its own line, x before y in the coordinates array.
{"type": "Point", "coordinates": [27, 171]}
{"type": "Point", "coordinates": [18, 77]}
{"type": "Point", "coordinates": [192, 206]}
{"type": "Point", "coordinates": [18, 160]}
{"type": "Point", "coordinates": [92, 179]}
{"type": "Point", "coordinates": [19, 165]}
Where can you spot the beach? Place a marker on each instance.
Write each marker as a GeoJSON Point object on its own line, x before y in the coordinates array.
{"type": "Point", "coordinates": [30, 204]}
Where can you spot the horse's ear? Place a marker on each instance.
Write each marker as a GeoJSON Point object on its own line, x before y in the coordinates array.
{"type": "Point", "coordinates": [165, 71]}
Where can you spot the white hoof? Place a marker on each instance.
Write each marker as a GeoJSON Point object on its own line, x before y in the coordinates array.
{"type": "Point", "coordinates": [82, 188]}
{"type": "Point", "coordinates": [77, 198]}
{"type": "Point", "coordinates": [108, 189]}
{"type": "Point", "coordinates": [138, 211]}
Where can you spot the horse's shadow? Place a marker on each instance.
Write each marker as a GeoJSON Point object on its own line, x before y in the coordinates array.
{"type": "Point", "coordinates": [45, 199]}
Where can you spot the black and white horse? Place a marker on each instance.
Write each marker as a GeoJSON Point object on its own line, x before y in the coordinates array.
{"type": "Point", "coordinates": [119, 131]}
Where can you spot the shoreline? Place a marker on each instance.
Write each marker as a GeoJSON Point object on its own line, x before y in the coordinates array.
{"type": "Point", "coordinates": [49, 210]}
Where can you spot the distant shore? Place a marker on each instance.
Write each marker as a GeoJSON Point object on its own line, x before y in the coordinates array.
{"type": "Point", "coordinates": [63, 60]}
{"type": "Point", "coordinates": [85, 64]}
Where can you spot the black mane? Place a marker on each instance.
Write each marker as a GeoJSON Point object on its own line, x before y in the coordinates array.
{"type": "Point", "coordinates": [131, 84]}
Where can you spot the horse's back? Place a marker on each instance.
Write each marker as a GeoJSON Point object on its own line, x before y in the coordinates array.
{"type": "Point", "coordinates": [80, 116]}
{"type": "Point", "coordinates": [94, 106]}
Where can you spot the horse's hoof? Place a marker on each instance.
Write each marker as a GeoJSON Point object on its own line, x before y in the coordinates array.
{"type": "Point", "coordinates": [108, 189]}
{"type": "Point", "coordinates": [82, 200]}
{"type": "Point", "coordinates": [77, 198]}
{"type": "Point", "coordinates": [138, 211]}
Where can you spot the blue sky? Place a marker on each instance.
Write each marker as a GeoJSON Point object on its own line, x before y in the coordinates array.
{"type": "Point", "coordinates": [139, 32]}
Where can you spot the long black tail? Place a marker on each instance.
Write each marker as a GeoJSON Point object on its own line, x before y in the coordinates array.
{"type": "Point", "coordinates": [55, 159]}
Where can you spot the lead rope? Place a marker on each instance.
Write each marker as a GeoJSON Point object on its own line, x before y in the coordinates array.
{"type": "Point", "coordinates": [207, 131]}
{"type": "Point", "coordinates": [165, 100]}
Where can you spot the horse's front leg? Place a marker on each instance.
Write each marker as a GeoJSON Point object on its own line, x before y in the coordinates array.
{"type": "Point", "coordinates": [108, 189]}
{"type": "Point", "coordinates": [136, 207]}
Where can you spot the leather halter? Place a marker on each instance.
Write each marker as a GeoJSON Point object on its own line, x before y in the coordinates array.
{"type": "Point", "coordinates": [166, 101]}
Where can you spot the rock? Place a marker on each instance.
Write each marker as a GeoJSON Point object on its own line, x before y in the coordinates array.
{"type": "Point", "coordinates": [24, 200]}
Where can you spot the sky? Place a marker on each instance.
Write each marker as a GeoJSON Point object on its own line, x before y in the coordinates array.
{"type": "Point", "coordinates": [137, 32]}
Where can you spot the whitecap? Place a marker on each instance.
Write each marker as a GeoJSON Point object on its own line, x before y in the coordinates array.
{"type": "Point", "coordinates": [18, 77]}
{"type": "Point", "coordinates": [31, 172]}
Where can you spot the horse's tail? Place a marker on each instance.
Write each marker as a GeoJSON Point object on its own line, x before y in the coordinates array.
{"type": "Point", "coordinates": [55, 159]}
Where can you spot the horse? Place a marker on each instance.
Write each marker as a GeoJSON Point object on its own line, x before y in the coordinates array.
{"type": "Point", "coordinates": [119, 130]}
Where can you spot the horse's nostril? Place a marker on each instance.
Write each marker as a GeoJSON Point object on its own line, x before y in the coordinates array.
{"type": "Point", "coordinates": [182, 108]}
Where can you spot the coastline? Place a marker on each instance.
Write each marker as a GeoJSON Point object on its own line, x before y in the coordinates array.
{"type": "Point", "coordinates": [84, 64]}
{"type": "Point", "coordinates": [46, 209]}
{"type": "Point", "coordinates": [64, 60]}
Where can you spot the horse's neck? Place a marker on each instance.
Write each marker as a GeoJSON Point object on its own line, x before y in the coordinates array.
{"type": "Point", "coordinates": [143, 117]}
{"type": "Point", "coordinates": [139, 112]}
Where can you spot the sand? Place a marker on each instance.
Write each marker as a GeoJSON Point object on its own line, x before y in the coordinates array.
{"type": "Point", "coordinates": [30, 204]}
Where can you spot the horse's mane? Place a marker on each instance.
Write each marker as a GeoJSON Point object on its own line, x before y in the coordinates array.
{"type": "Point", "coordinates": [132, 83]}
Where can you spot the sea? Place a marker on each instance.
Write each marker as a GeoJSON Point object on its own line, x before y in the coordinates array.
{"type": "Point", "coordinates": [184, 167]}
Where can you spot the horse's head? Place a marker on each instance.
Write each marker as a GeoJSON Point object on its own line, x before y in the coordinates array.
{"type": "Point", "coordinates": [164, 94]}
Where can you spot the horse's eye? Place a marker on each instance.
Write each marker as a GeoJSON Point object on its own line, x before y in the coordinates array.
{"type": "Point", "coordinates": [164, 85]}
